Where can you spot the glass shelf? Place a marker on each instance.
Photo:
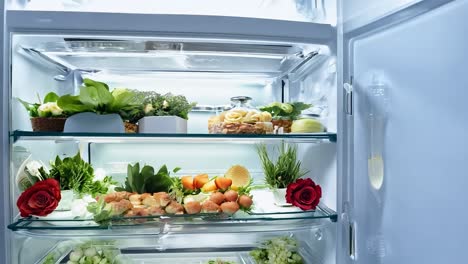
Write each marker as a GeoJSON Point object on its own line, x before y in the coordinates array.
{"type": "Point", "coordinates": [173, 138]}
{"type": "Point", "coordinates": [116, 56]}
{"type": "Point", "coordinates": [184, 224]}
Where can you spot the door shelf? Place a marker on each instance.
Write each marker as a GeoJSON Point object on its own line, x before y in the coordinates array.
{"type": "Point", "coordinates": [170, 138]}
{"type": "Point", "coordinates": [183, 224]}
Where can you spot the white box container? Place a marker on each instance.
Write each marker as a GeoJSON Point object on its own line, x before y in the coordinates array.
{"type": "Point", "coordinates": [162, 124]}
{"type": "Point", "coordinates": [94, 123]}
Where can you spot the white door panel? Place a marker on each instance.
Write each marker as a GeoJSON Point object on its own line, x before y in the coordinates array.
{"type": "Point", "coordinates": [360, 12]}
{"type": "Point", "coordinates": [419, 213]}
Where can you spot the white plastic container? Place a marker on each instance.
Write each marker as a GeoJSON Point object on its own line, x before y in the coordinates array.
{"type": "Point", "coordinates": [162, 124]}
{"type": "Point", "coordinates": [94, 123]}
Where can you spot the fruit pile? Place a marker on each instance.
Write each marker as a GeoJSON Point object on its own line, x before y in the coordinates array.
{"type": "Point", "coordinates": [226, 194]}
{"type": "Point", "coordinates": [188, 195]}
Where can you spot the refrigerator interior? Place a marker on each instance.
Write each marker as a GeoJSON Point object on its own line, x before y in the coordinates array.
{"type": "Point", "coordinates": [206, 71]}
{"type": "Point", "coordinates": [318, 11]}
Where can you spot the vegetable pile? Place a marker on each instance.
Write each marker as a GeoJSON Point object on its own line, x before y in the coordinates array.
{"type": "Point", "coordinates": [290, 111]}
{"type": "Point", "coordinates": [146, 181]}
{"type": "Point", "coordinates": [95, 97]}
{"type": "Point", "coordinates": [278, 250]}
{"type": "Point", "coordinates": [94, 253]}
{"type": "Point", "coordinates": [75, 174]}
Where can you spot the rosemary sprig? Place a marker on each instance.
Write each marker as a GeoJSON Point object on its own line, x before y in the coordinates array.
{"type": "Point", "coordinates": [285, 170]}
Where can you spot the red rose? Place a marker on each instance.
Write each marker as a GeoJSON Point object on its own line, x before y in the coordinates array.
{"type": "Point", "coordinates": [40, 199]}
{"type": "Point", "coordinates": [304, 193]}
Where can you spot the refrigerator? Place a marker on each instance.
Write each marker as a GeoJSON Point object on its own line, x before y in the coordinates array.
{"type": "Point", "coordinates": [386, 79]}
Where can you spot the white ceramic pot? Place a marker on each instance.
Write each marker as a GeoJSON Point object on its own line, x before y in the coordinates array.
{"type": "Point", "coordinates": [162, 124]}
{"type": "Point", "coordinates": [279, 194]}
{"type": "Point", "coordinates": [66, 201]}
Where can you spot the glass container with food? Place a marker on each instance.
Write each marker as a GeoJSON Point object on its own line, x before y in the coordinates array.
{"type": "Point", "coordinates": [241, 119]}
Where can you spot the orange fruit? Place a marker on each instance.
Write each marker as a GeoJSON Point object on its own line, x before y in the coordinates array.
{"type": "Point", "coordinates": [223, 183]}
{"type": "Point", "coordinates": [200, 180]}
{"type": "Point", "coordinates": [209, 187]}
{"type": "Point", "coordinates": [187, 182]}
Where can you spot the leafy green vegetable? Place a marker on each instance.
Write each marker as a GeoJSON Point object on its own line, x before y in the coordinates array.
{"type": "Point", "coordinates": [32, 108]}
{"type": "Point", "coordinates": [50, 98]}
{"type": "Point", "coordinates": [285, 170]}
{"type": "Point", "coordinates": [95, 97]}
{"type": "Point", "coordinates": [278, 250]}
{"type": "Point", "coordinates": [146, 181]}
{"type": "Point", "coordinates": [102, 214]}
{"type": "Point", "coordinates": [123, 98]}
{"type": "Point", "coordinates": [166, 105]}
{"type": "Point", "coordinates": [75, 174]}
{"type": "Point", "coordinates": [95, 252]}
{"type": "Point", "coordinates": [285, 110]}
{"type": "Point", "coordinates": [72, 104]}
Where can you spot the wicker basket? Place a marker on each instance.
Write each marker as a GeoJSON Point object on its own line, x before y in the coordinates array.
{"type": "Point", "coordinates": [130, 127]}
{"type": "Point", "coordinates": [51, 124]}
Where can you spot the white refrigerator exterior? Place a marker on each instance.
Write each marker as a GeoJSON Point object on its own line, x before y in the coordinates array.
{"type": "Point", "coordinates": [419, 54]}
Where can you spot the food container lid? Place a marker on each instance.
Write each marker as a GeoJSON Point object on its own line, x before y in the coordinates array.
{"type": "Point", "coordinates": [242, 99]}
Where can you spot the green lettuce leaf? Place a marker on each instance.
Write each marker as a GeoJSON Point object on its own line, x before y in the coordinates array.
{"type": "Point", "coordinates": [89, 82]}
{"type": "Point", "coordinates": [146, 181]}
{"type": "Point", "coordinates": [96, 97]}
{"type": "Point", "coordinates": [122, 98]}
{"type": "Point", "coordinates": [72, 105]}
{"type": "Point", "coordinates": [51, 97]}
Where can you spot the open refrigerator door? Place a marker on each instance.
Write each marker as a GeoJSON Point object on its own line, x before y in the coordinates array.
{"type": "Point", "coordinates": [405, 119]}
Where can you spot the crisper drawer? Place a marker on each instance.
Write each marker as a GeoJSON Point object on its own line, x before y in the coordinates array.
{"type": "Point", "coordinates": [240, 255]}
{"type": "Point", "coordinates": [315, 245]}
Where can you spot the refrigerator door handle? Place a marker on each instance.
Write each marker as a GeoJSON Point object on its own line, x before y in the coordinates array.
{"type": "Point", "coordinates": [348, 99]}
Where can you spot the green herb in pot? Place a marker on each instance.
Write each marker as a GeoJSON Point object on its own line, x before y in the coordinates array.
{"type": "Point", "coordinates": [285, 170]}
{"type": "Point", "coordinates": [166, 105]}
{"type": "Point", "coordinates": [75, 174]}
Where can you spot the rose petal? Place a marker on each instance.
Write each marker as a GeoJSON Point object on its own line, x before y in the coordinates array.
{"type": "Point", "coordinates": [307, 195]}
{"type": "Point", "coordinates": [39, 199]}
{"type": "Point", "coordinates": [318, 190]}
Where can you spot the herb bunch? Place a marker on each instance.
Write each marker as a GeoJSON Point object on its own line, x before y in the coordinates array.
{"type": "Point", "coordinates": [285, 170]}
{"type": "Point", "coordinates": [75, 174]}
{"type": "Point", "coordinates": [166, 105]}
